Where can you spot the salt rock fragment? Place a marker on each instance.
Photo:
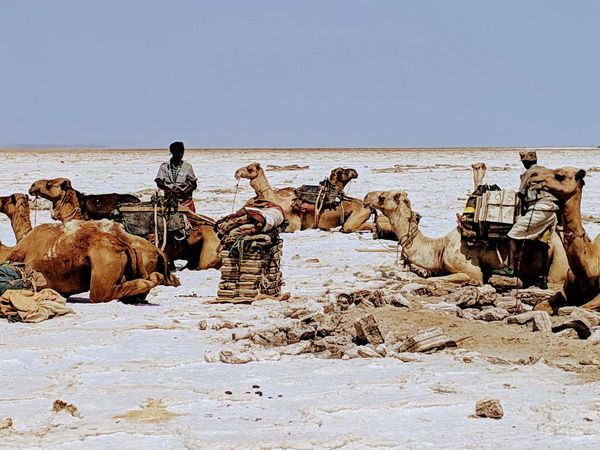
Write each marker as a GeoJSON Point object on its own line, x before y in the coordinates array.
{"type": "Point", "coordinates": [492, 314]}
{"type": "Point", "coordinates": [595, 336]}
{"type": "Point", "coordinates": [398, 300]}
{"type": "Point", "coordinates": [577, 322]}
{"type": "Point", "coordinates": [61, 405]}
{"type": "Point", "coordinates": [464, 297]}
{"type": "Point", "coordinates": [431, 339]}
{"type": "Point", "coordinates": [522, 318]}
{"type": "Point", "coordinates": [367, 352]}
{"type": "Point", "coordinates": [367, 330]}
{"type": "Point", "coordinates": [414, 289]}
{"type": "Point", "coordinates": [487, 295]}
{"type": "Point", "coordinates": [202, 325]}
{"type": "Point", "coordinates": [592, 317]}
{"type": "Point", "coordinates": [542, 322]}
{"type": "Point", "coordinates": [569, 333]}
{"type": "Point", "coordinates": [442, 306]}
{"type": "Point", "coordinates": [229, 357]}
{"type": "Point", "coordinates": [6, 424]}
{"type": "Point", "coordinates": [504, 284]}
{"type": "Point", "coordinates": [491, 409]}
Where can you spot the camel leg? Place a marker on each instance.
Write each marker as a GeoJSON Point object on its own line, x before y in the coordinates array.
{"type": "Point", "coordinates": [209, 255]}
{"type": "Point", "coordinates": [455, 278]}
{"type": "Point", "coordinates": [294, 223]}
{"type": "Point", "coordinates": [357, 221]}
{"type": "Point", "coordinates": [104, 288]}
{"type": "Point", "coordinates": [593, 305]}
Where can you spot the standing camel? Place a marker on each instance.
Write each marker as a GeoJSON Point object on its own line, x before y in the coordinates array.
{"type": "Point", "coordinates": [582, 286]}
{"type": "Point", "coordinates": [350, 214]}
{"type": "Point", "coordinates": [449, 257]}
{"type": "Point", "coordinates": [200, 249]}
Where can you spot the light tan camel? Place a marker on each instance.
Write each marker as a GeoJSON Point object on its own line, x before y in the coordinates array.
{"type": "Point", "coordinates": [448, 257]}
{"type": "Point", "coordinates": [350, 214]}
{"type": "Point", "coordinates": [200, 249]}
{"type": "Point", "coordinates": [16, 207]}
{"type": "Point", "coordinates": [150, 259]}
{"type": "Point", "coordinates": [478, 174]}
{"type": "Point", "coordinates": [78, 256]}
{"type": "Point", "coordinates": [582, 286]}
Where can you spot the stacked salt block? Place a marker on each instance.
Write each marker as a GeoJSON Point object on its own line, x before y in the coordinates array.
{"type": "Point", "coordinates": [253, 271]}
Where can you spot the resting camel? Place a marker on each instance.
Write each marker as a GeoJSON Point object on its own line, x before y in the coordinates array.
{"type": "Point", "coordinates": [449, 257]}
{"type": "Point", "coordinates": [16, 207]}
{"type": "Point", "coordinates": [200, 249]}
{"type": "Point", "coordinates": [582, 286]}
{"type": "Point", "coordinates": [100, 206]}
{"type": "Point", "coordinates": [351, 214]}
{"type": "Point", "coordinates": [78, 256]}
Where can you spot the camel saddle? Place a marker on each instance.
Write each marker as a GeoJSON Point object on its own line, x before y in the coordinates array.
{"type": "Point", "coordinates": [138, 219]}
{"type": "Point", "coordinates": [324, 196]}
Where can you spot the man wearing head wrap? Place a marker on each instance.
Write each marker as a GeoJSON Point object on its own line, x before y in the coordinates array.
{"type": "Point", "coordinates": [177, 177]}
{"type": "Point", "coordinates": [538, 218]}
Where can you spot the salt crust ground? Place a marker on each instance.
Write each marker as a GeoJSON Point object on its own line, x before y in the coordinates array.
{"type": "Point", "coordinates": [110, 359]}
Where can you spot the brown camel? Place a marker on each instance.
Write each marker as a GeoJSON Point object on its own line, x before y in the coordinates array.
{"type": "Point", "coordinates": [16, 207]}
{"type": "Point", "coordinates": [100, 206]}
{"type": "Point", "coordinates": [350, 214]}
{"type": "Point", "coordinates": [582, 286]}
{"type": "Point", "coordinates": [449, 257]}
{"type": "Point", "coordinates": [78, 256]}
{"type": "Point", "coordinates": [200, 249]}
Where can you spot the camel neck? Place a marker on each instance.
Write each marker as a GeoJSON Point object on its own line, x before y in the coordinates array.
{"type": "Point", "coordinates": [21, 223]}
{"type": "Point", "coordinates": [416, 247]}
{"type": "Point", "coordinates": [576, 242]}
{"type": "Point", "coordinates": [260, 184]}
{"type": "Point", "coordinates": [67, 208]}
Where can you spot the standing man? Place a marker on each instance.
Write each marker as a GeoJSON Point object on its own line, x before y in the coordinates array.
{"type": "Point", "coordinates": [177, 177]}
{"type": "Point", "coordinates": [538, 218]}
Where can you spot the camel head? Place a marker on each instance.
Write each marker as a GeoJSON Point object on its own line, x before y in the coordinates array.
{"type": "Point", "coordinates": [396, 206]}
{"type": "Point", "coordinates": [563, 183]}
{"type": "Point", "coordinates": [251, 171]}
{"type": "Point", "coordinates": [341, 176]}
{"type": "Point", "coordinates": [389, 203]}
{"type": "Point", "coordinates": [13, 204]}
{"type": "Point", "coordinates": [52, 190]}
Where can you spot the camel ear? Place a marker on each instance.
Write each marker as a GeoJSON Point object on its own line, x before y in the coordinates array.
{"type": "Point", "coordinates": [580, 175]}
{"type": "Point", "coordinates": [13, 198]}
{"type": "Point", "coordinates": [257, 166]}
{"type": "Point", "coordinates": [398, 197]}
{"type": "Point", "coordinates": [66, 184]}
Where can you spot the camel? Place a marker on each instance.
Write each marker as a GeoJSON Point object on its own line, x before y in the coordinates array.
{"type": "Point", "coordinates": [351, 214]}
{"type": "Point", "coordinates": [582, 286]}
{"type": "Point", "coordinates": [200, 249]}
{"type": "Point", "coordinates": [78, 256]}
{"type": "Point", "coordinates": [16, 207]}
{"type": "Point", "coordinates": [449, 257]}
{"type": "Point", "coordinates": [478, 174]}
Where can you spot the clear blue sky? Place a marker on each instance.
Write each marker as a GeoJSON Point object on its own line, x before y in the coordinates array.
{"type": "Point", "coordinates": [300, 73]}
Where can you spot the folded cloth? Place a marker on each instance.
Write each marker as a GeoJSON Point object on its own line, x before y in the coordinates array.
{"type": "Point", "coordinates": [28, 306]}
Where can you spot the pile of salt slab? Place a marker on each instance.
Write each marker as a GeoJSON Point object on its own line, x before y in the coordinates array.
{"type": "Point", "coordinates": [251, 252]}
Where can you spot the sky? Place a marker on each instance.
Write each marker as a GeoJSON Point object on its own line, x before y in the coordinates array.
{"type": "Point", "coordinates": [310, 73]}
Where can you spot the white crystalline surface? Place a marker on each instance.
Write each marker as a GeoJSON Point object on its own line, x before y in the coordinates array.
{"type": "Point", "coordinates": [139, 375]}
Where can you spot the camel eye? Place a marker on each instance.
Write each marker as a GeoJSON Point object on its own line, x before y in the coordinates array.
{"type": "Point", "coordinates": [381, 198]}
{"type": "Point", "coordinates": [49, 184]}
{"type": "Point", "coordinates": [559, 177]}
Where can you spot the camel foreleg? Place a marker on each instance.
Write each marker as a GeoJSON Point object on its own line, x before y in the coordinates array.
{"type": "Point", "coordinates": [357, 221]}
{"type": "Point", "coordinates": [459, 277]}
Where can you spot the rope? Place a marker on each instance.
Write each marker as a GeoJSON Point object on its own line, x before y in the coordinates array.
{"type": "Point", "coordinates": [235, 195]}
{"type": "Point", "coordinates": [156, 224]}
{"type": "Point", "coordinates": [321, 199]}
{"type": "Point", "coordinates": [35, 199]}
